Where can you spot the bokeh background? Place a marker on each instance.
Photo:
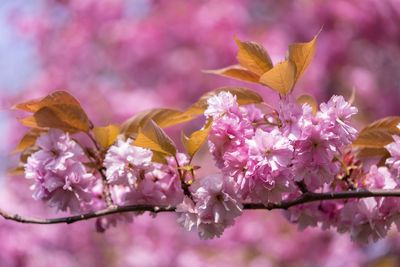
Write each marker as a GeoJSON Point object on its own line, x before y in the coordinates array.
{"type": "Point", "coordinates": [119, 57]}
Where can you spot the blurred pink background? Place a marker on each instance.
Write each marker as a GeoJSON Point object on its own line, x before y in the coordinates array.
{"type": "Point", "coordinates": [119, 57]}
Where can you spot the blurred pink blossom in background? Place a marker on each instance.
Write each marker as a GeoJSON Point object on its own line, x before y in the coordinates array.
{"type": "Point", "coordinates": [119, 57]}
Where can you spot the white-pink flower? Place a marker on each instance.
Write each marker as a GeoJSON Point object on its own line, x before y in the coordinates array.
{"type": "Point", "coordinates": [56, 148]}
{"type": "Point", "coordinates": [272, 154]}
{"type": "Point", "coordinates": [338, 108]}
{"type": "Point", "coordinates": [215, 206]}
{"type": "Point", "coordinates": [314, 153]}
{"type": "Point", "coordinates": [228, 133]}
{"type": "Point", "coordinates": [361, 219]}
{"type": "Point", "coordinates": [60, 177]}
{"type": "Point", "coordinates": [125, 163]}
{"type": "Point", "coordinates": [188, 216]}
{"type": "Point", "coordinates": [156, 184]}
{"type": "Point", "coordinates": [394, 149]}
{"type": "Point", "coordinates": [220, 104]}
{"type": "Point", "coordinates": [271, 148]}
{"type": "Point", "coordinates": [369, 219]}
{"type": "Point", "coordinates": [337, 113]}
{"type": "Point", "coordinates": [380, 178]}
{"type": "Point", "coordinates": [293, 117]}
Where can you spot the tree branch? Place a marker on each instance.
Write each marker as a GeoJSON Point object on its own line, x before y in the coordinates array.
{"type": "Point", "coordinates": [304, 198]}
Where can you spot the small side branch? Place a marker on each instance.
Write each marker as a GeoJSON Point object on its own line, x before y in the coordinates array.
{"type": "Point", "coordinates": [106, 190]}
{"type": "Point", "coordinates": [99, 161]}
{"type": "Point", "coordinates": [307, 197]}
{"type": "Point", "coordinates": [302, 186]}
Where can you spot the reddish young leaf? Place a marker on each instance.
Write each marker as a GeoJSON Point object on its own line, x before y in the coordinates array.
{"type": "Point", "coordinates": [162, 116]}
{"type": "Point", "coordinates": [253, 57]}
{"type": "Point", "coordinates": [236, 72]}
{"type": "Point", "coordinates": [302, 54]}
{"type": "Point", "coordinates": [281, 78]}
{"type": "Point", "coordinates": [193, 143]}
{"type": "Point", "coordinates": [66, 118]}
{"type": "Point", "coordinates": [151, 136]}
{"type": "Point", "coordinates": [57, 97]}
{"type": "Point", "coordinates": [57, 110]}
{"type": "Point", "coordinates": [28, 140]}
{"type": "Point", "coordinates": [159, 157]}
{"type": "Point", "coordinates": [379, 133]}
{"type": "Point", "coordinates": [310, 100]}
{"type": "Point", "coordinates": [107, 135]}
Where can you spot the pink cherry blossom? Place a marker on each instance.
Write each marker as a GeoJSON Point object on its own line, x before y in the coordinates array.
{"type": "Point", "coordinates": [56, 148]}
{"type": "Point", "coordinates": [290, 116]}
{"type": "Point", "coordinates": [228, 133]}
{"type": "Point", "coordinates": [271, 148]}
{"type": "Point", "coordinates": [379, 177]}
{"type": "Point", "coordinates": [125, 162]}
{"type": "Point", "coordinates": [60, 178]}
{"type": "Point", "coordinates": [213, 208]}
{"type": "Point", "coordinates": [394, 150]}
{"type": "Point", "coordinates": [361, 219]}
{"type": "Point", "coordinates": [188, 216]}
{"type": "Point", "coordinates": [240, 167]}
{"type": "Point", "coordinates": [314, 154]}
{"type": "Point", "coordinates": [325, 214]}
{"type": "Point", "coordinates": [369, 219]}
{"type": "Point", "coordinates": [337, 113]}
{"type": "Point", "coordinates": [273, 154]}
{"type": "Point", "coordinates": [135, 179]}
{"type": "Point", "coordinates": [219, 104]}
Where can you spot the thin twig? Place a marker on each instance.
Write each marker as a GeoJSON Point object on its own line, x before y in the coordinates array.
{"type": "Point", "coordinates": [93, 141]}
{"type": "Point", "coordinates": [106, 187]}
{"type": "Point", "coordinates": [304, 198]}
{"type": "Point", "coordinates": [184, 185]}
{"type": "Point", "coordinates": [302, 186]}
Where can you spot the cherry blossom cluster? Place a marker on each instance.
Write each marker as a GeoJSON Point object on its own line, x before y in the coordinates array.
{"type": "Point", "coordinates": [59, 176]}
{"type": "Point", "coordinates": [264, 155]}
{"type": "Point", "coordinates": [280, 155]}
{"type": "Point", "coordinates": [135, 179]}
{"type": "Point", "coordinates": [271, 155]}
